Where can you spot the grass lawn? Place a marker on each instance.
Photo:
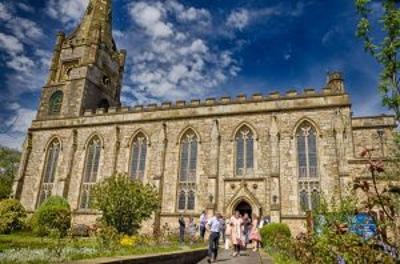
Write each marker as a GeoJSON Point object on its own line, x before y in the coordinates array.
{"type": "Point", "coordinates": [27, 240]}
{"type": "Point", "coordinates": [26, 248]}
{"type": "Point", "coordinates": [280, 258]}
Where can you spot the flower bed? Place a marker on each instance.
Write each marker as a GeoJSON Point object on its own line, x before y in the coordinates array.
{"type": "Point", "coordinates": [26, 248]}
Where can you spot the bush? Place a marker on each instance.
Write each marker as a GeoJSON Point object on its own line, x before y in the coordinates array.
{"type": "Point", "coordinates": [125, 203]}
{"type": "Point", "coordinates": [107, 238]}
{"type": "Point", "coordinates": [53, 216]}
{"type": "Point", "coordinates": [272, 233]}
{"type": "Point", "coordinates": [12, 216]}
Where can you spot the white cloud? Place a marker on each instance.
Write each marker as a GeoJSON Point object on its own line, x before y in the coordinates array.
{"type": "Point", "coordinates": [68, 11]}
{"type": "Point", "coordinates": [21, 64]}
{"type": "Point", "coordinates": [24, 29]}
{"type": "Point", "coordinates": [170, 58]}
{"type": "Point", "coordinates": [189, 14]}
{"type": "Point", "coordinates": [27, 62]}
{"type": "Point", "coordinates": [25, 7]}
{"type": "Point", "coordinates": [5, 13]}
{"type": "Point", "coordinates": [239, 19]}
{"type": "Point", "coordinates": [12, 141]}
{"type": "Point", "coordinates": [151, 19]}
{"type": "Point", "coordinates": [16, 126]}
{"type": "Point", "coordinates": [10, 44]}
{"type": "Point", "coordinates": [242, 18]}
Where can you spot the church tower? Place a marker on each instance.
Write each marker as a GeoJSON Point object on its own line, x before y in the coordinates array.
{"type": "Point", "coordinates": [87, 68]}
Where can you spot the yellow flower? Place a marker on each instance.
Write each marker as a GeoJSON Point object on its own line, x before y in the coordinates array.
{"type": "Point", "coordinates": [127, 241]}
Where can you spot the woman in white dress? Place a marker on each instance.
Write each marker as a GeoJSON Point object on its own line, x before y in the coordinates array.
{"type": "Point", "coordinates": [237, 236]}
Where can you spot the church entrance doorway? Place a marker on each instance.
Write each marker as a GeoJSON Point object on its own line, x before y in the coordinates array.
{"type": "Point", "coordinates": [244, 207]}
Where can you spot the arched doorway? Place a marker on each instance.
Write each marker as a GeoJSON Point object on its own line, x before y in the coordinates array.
{"type": "Point", "coordinates": [244, 207]}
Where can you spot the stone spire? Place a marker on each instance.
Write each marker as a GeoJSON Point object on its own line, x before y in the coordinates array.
{"type": "Point", "coordinates": [96, 25]}
{"type": "Point", "coordinates": [86, 71]}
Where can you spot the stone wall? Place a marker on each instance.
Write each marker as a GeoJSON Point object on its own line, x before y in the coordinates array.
{"type": "Point", "coordinates": [272, 188]}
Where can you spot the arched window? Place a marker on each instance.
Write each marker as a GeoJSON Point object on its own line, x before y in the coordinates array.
{"type": "Point", "coordinates": [244, 151]}
{"type": "Point", "coordinates": [306, 137]}
{"type": "Point", "coordinates": [182, 200]}
{"type": "Point", "coordinates": [90, 172]}
{"type": "Point", "coordinates": [55, 103]}
{"type": "Point", "coordinates": [191, 200]}
{"type": "Point", "coordinates": [47, 185]}
{"type": "Point", "coordinates": [187, 171]}
{"type": "Point", "coordinates": [138, 157]}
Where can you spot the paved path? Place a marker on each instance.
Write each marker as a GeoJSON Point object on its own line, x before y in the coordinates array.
{"type": "Point", "coordinates": [246, 257]}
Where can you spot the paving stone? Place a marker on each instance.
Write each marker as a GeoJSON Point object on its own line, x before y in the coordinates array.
{"type": "Point", "coordinates": [246, 257]}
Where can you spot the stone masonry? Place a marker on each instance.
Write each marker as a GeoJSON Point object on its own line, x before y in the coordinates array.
{"type": "Point", "coordinates": [87, 68]}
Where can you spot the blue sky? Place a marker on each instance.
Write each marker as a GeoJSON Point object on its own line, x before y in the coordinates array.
{"type": "Point", "coordinates": [183, 49]}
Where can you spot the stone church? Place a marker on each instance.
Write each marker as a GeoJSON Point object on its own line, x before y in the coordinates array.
{"type": "Point", "coordinates": [269, 155]}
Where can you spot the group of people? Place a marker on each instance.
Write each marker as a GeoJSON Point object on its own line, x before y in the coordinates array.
{"type": "Point", "coordinates": [236, 232]}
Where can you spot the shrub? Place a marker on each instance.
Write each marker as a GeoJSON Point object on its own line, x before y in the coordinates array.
{"type": "Point", "coordinates": [107, 238]}
{"type": "Point", "coordinates": [125, 203]}
{"type": "Point", "coordinates": [12, 216]}
{"type": "Point", "coordinates": [272, 233]}
{"type": "Point", "coordinates": [53, 216]}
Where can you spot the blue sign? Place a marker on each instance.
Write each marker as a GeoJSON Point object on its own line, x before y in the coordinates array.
{"type": "Point", "coordinates": [319, 224]}
{"type": "Point", "coordinates": [363, 225]}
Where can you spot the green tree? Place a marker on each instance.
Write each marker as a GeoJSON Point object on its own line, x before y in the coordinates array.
{"type": "Point", "coordinates": [9, 161]}
{"type": "Point", "coordinates": [381, 36]}
{"type": "Point", "coordinates": [53, 218]}
{"type": "Point", "coordinates": [125, 203]}
{"type": "Point", "coordinates": [12, 216]}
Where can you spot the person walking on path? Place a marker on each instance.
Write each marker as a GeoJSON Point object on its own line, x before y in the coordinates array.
{"type": "Point", "coordinates": [182, 226]}
{"type": "Point", "coordinates": [214, 225]}
{"type": "Point", "coordinates": [246, 229]}
{"type": "Point", "coordinates": [203, 223]}
{"type": "Point", "coordinates": [236, 223]}
{"type": "Point", "coordinates": [192, 230]}
{"type": "Point", "coordinates": [255, 236]}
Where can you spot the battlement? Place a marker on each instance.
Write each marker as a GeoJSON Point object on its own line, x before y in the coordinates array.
{"type": "Point", "coordinates": [373, 122]}
{"type": "Point", "coordinates": [224, 100]}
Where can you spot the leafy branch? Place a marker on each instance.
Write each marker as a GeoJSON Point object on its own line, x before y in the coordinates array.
{"type": "Point", "coordinates": [384, 49]}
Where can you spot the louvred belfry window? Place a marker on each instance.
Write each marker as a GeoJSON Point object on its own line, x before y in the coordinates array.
{"type": "Point", "coordinates": [244, 151]}
{"type": "Point", "coordinates": [138, 157]}
{"type": "Point", "coordinates": [309, 188]}
{"type": "Point", "coordinates": [187, 171]}
{"type": "Point", "coordinates": [47, 185]}
{"type": "Point", "coordinates": [90, 173]}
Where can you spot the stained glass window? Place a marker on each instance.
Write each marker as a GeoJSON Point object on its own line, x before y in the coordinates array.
{"type": "Point", "coordinates": [306, 136]}
{"type": "Point", "coordinates": [91, 172]}
{"type": "Point", "coordinates": [191, 200]}
{"type": "Point", "coordinates": [47, 184]}
{"type": "Point", "coordinates": [138, 157]}
{"type": "Point", "coordinates": [55, 103]}
{"type": "Point", "coordinates": [182, 200]}
{"type": "Point", "coordinates": [187, 171]}
{"type": "Point", "coordinates": [244, 151]}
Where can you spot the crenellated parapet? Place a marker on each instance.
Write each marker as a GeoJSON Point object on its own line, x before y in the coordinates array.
{"type": "Point", "coordinates": [307, 93]}
{"type": "Point", "coordinates": [371, 122]}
